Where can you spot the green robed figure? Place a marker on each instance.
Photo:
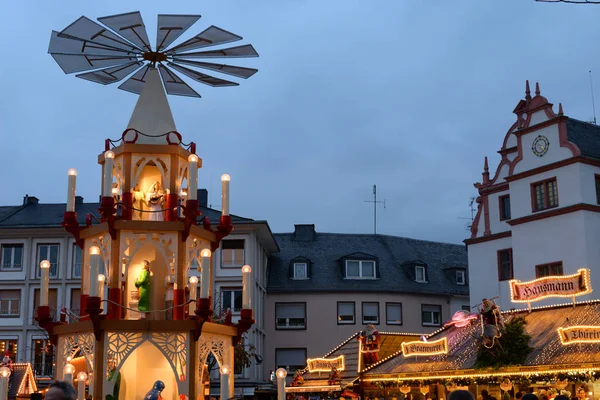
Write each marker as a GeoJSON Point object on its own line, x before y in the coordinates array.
{"type": "Point", "coordinates": [143, 285]}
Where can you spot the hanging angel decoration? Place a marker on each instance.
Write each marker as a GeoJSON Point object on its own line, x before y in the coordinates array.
{"type": "Point", "coordinates": [492, 323]}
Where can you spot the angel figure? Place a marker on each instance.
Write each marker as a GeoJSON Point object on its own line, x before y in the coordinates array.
{"type": "Point", "coordinates": [155, 198]}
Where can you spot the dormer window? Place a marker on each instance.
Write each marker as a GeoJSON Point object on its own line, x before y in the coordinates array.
{"type": "Point", "coordinates": [300, 270]}
{"type": "Point", "coordinates": [461, 278]}
{"type": "Point", "coordinates": [420, 274]}
{"type": "Point", "coordinates": [360, 269]}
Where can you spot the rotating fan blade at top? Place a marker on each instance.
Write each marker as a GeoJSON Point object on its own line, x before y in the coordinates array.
{"type": "Point", "coordinates": [230, 52]}
{"type": "Point", "coordinates": [86, 29]}
{"type": "Point", "coordinates": [202, 78]}
{"type": "Point", "coordinates": [130, 26]}
{"type": "Point", "coordinates": [106, 76]}
{"type": "Point", "coordinates": [65, 44]}
{"type": "Point", "coordinates": [136, 82]}
{"type": "Point", "coordinates": [174, 84]}
{"type": "Point", "coordinates": [211, 36]}
{"type": "Point", "coordinates": [233, 70]}
{"type": "Point", "coordinates": [70, 63]}
{"type": "Point", "coordinates": [170, 27]}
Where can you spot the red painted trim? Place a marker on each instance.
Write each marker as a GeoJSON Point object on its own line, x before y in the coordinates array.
{"type": "Point", "coordinates": [486, 214]}
{"type": "Point", "coordinates": [513, 149]}
{"type": "Point", "coordinates": [499, 187]}
{"type": "Point", "coordinates": [555, 212]}
{"type": "Point", "coordinates": [555, 165]}
{"type": "Point", "coordinates": [82, 306]}
{"type": "Point", "coordinates": [127, 211]}
{"type": "Point", "coordinates": [488, 238]}
{"type": "Point", "coordinates": [564, 139]}
{"type": "Point", "coordinates": [510, 132]}
{"type": "Point", "coordinates": [178, 300]}
{"type": "Point", "coordinates": [475, 224]}
{"type": "Point", "coordinates": [114, 311]}
{"type": "Point", "coordinates": [171, 207]}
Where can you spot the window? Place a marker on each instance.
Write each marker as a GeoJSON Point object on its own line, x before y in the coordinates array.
{"type": "Point", "coordinates": [597, 179]}
{"type": "Point", "coordinates": [360, 269]}
{"type": "Point", "coordinates": [232, 253]}
{"type": "Point", "coordinates": [52, 301]}
{"type": "Point", "coordinates": [504, 207]}
{"type": "Point", "coordinates": [549, 269]}
{"type": "Point", "coordinates": [346, 313]}
{"type": "Point", "coordinates": [393, 313]}
{"type": "Point", "coordinates": [461, 278]}
{"type": "Point", "coordinates": [77, 261]}
{"type": "Point", "coordinates": [544, 195]}
{"type": "Point", "coordinates": [290, 359]}
{"type": "Point", "coordinates": [232, 298]}
{"type": "Point", "coordinates": [12, 257]}
{"type": "Point", "coordinates": [370, 313]}
{"type": "Point", "coordinates": [9, 345]}
{"type": "Point", "coordinates": [420, 274]}
{"type": "Point", "coordinates": [43, 357]}
{"type": "Point", "coordinates": [75, 305]}
{"type": "Point", "coordinates": [290, 315]}
{"type": "Point", "coordinates": [466, 308]}
{"type": "Point", "coordinates": [10, 303]}
{"type": "Point", "coordinates": [48, 252]}
{"type": "Point", "coordinates": [505, 265]}
{"type": "Point", "coordinates": [300, 271]}
{"type": "Point", "coordinates": [431, 315]}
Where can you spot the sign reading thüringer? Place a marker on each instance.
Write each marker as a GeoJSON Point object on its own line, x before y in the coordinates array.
{"type": "Point", "coordinates": [325, 364]}
{"type": "Point", "coordinates": [551, 286]}
{"type": "Point", "coordinates": [579, 334]}
{"type": "Point", "coordinates": [420, 348]}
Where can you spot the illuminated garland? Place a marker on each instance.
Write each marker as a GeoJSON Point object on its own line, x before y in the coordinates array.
{"type": "Point", "coordinates": [494, 380]}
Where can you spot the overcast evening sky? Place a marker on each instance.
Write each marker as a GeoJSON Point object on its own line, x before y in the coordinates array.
{"type": "Point", "coordinates": [408, 95]}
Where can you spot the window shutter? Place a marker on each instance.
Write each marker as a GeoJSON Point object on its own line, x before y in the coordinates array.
{"type": "Point", "coordinates": [394, 313]}
{"type": "Point", "coordinates": [290, 311]}
{"type": "Point", "coordinates": [370, 309]}
{"type": "Point", "coordinates": [291, 357]}
{"type": "Point", "coordinates": [432, 308]}
{"type": "Point", "coordinates": [346, 309]}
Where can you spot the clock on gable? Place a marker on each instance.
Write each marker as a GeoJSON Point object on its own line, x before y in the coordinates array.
{"type": "Point", "coordinates": [540, 145]}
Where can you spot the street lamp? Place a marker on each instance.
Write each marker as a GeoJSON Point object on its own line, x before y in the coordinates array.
{"type": "Point", "coordinates": [281, 374]}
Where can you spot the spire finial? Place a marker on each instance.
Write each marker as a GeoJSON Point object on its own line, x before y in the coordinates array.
{"type": "Point", "coordinates": [537, 89]}
{"type": "Point", "coordinates": [527, 91]}
{"type": "Point", "coordinates": [560, 110]}
{"type": "Point", "coordinates": [486, 172]}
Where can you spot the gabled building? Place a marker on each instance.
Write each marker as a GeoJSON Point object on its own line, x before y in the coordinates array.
{"type": "Point", "coordinates": [323, 287]}
{"type": "Point", "coordinates": [539, 212]}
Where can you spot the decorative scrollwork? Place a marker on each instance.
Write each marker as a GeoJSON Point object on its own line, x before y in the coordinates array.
{"type": "Point", "coordinates": [212, 344]}
{"type": "Point", "coordinates": [120, 346]}
{"type": "Point", "coordinates": [174, 348]}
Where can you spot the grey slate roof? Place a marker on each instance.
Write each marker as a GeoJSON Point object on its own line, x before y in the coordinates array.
{"type": "Point", "coordinates": [51, 215]}
{"type": "Point", "coordinates": [397, 257]}
{"type": "Point", "coordinates": [586, 136]}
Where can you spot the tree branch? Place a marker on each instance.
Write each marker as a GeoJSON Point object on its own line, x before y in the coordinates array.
{"type": "Point", "coordinates": [570, 1]}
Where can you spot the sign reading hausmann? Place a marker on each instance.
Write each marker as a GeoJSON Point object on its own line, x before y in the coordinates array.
{"type": "Point", "coordinates": [325, 364]}
{"type": "Point", "coordinates": [579, 334]}
{"type": "Point", "coordinates": [551, 286]}
{"type": "Point", "coordinates": [420, 348]}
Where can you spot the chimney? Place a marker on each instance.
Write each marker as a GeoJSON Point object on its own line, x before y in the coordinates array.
{"type": "Point", "coordinates": [203, 197]}
{"type": "Point", "coordinates": [304, 232]}
{"type": "Point", "coordinates": [29, 200]}
{"type": "Point", "coordinates": [78, 200]}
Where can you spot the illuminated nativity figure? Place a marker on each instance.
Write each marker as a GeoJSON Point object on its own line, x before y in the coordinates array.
{"type": "Point", "coordinates": [143, 285]}
{"type": "Point", "coordinates": [492, 324]}
{"type": "Point", "coordinates": [154, 393]}
{"type": "Point", "coordinates": [155, 199]}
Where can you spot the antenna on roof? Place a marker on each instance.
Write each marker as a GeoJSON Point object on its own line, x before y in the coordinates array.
{"type": "Point", "coordinates": [593, 103]}
{"type": "Point", "coordinates": [375, 202]}
{"type": "Point", "coordinates": [473, 211]}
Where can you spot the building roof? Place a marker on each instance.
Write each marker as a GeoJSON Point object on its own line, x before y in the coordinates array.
{"type": "Point", "coordinates": [51, 215]}
{"type": "Point", "coordinates": [586, 136]}
{"type": "Point", "coordinates": [396, 258]}
{"type": "Point", "coordinates": [22, 381]}
{"type": "Point", "coordinates": [542, 325]}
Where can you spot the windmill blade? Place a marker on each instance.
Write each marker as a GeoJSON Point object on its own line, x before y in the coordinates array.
{"type": "Point", "coordinates": [230, 52]}
{"type": "Point", "coordinates": [202, 78]}
{"type": "Point", "coordinates": [211, 36]}
{"type": "Point", "coordinates": [170, 27]}
{"type": "Point", "coordinates": [64, 44]}
{"type": "Point", "coordinates": [130, 26]}
{"type": "Point", "coordinates": [70, 63]}
{"type": "Point", "coordinates": [174, 85]}
{"type": "Point", "coordinates": [240, 72]}
{"type": "Point", "coordinates": [136, 82]}
{"type": "Point", "coordinates": [110, 75]}
{"type": "Point", "coordinates": [86, 29]}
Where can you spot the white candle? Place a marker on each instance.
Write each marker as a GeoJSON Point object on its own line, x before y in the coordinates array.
{"type": "Point", "coordinates": [72, 174]}
{"type": "Point", "coordinates": [193, 177]}
{"type": "Point", "coordinates": [4, 375]}
{"type": "Point", "coordinates": [205, 274]}
{"type": "Point", "coordinates": [45, 268]}
{"type": "Point", "coordinates": [101, 283]}
{"type": "Point", "coordinates": [193, 291]}
{"type": "Point", "coordinates": [281, 374]}
{"type": "Point", "coordinates": [246, 287]}
{"type": "Point", "coordinates": [108, 167]}
{"type": "Point", "coordinates": [225, 382]}
{"type": "Point", "coordinates": [225, 179]}
{"type": "Point", "coordinates": [81, 378]}
{"type": "Point", "coordinates": [68, 372]}
{"type": "Point", "coordinates": [94, 266]}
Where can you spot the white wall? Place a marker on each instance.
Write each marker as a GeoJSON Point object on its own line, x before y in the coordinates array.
{"type": "Point", "coordinates": [483, 272]}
